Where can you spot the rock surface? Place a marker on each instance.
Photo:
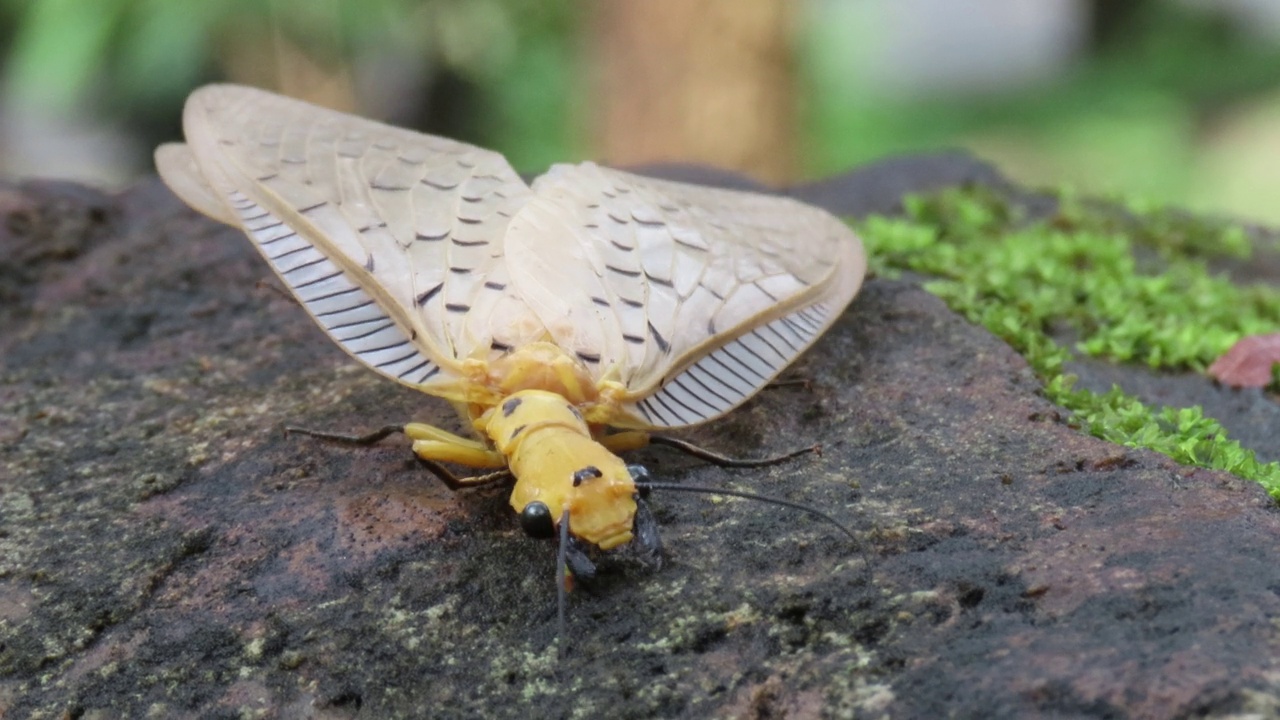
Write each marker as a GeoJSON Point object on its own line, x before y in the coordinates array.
{"type": "Point", "coordinates": [165, 551]}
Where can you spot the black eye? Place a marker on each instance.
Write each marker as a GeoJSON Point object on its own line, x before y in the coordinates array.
{"type": "Point", "coordinates": [535, 520]}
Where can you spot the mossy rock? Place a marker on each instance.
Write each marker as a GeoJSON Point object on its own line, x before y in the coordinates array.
{"type": "Point", "coordinates": [166, 551]}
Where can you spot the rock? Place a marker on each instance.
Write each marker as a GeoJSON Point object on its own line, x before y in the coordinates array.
{"type": "Point", "coordinates": [166, 551]}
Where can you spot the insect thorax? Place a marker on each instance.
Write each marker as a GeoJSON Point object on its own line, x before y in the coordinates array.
{"type": "Point", "coordinates": [542, 366]}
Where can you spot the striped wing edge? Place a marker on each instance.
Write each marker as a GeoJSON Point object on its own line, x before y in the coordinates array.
{"type": "Point", "coordinates": [335, 299]}
{"type": "Point", "coordinates": [720, 380]}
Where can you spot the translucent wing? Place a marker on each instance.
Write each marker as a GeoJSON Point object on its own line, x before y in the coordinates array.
{"type": "Point", "coordinates": [416, 252]}
{"type": "Point", "coordinates": [693, 297]}
{"type": "Point", "coordinates": [391, 239]}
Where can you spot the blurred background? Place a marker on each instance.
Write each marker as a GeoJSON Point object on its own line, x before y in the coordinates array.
{"type": "Point", "coordinates": [1167, 101]}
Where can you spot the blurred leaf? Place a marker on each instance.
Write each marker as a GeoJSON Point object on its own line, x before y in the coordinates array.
{"type": "Point", "coordinates": [164, 48]}
{"type": "Point", "coordinates": [60, 47]}
{"type": "Point", "coordinates": [476, 38]}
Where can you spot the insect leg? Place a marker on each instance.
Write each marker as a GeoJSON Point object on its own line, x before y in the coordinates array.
{"type": "Point", "coordinates": [429, 442]}
{"type": "Point", "coordinates": [444, 451]}
{"type": "Point", "coordinates": [433, 446]}
{"type": "Point", "coordinates": [803, 382]}
{"type": "Point", "coordinates": [723, 461]}
{"type": "Point", "coordinates": [368, 439]}
{"type": "Point", "coordinates": [621, 442]}
{"type": "Point", "coordinates": [455, 483]}
{"type": "Point", "coordinates": [459, 449]}
{"type": "Point", "coordinates": [432, 443]}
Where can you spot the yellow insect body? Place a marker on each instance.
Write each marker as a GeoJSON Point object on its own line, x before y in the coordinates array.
{"type": "Point", "coordinates": [549, 449]}
{"type": "Point", "coordinates": [546, 313]}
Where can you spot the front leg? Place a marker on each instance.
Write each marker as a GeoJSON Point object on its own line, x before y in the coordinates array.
{"type": "Point", "coordinates": [627, 440]}
{"type": "Point", "coordinates": [455, 483]}
{"type": "Point", "coordinates": [432, 443]}
{"type": "Point", "coordinates": [432, 446]}
{"type": "Point", "coordinates": [429, 443]}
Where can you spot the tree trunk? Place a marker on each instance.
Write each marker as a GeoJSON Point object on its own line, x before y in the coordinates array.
{"type": "Point", "coordinates": [707, 81]}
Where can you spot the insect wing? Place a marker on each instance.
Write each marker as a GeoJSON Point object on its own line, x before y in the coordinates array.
{"type": "Point", "coordinates": [705, 294]}
{"type": "Point", "coordinates": [387, 237]}
{"type": "Point", "coordinates": [181, 173]}
{"type": "Point", "coordinates": [415, 252]}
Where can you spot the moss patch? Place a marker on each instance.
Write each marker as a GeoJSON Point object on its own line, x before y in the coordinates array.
{"type": "Point", "coordinates": [1124, 285]}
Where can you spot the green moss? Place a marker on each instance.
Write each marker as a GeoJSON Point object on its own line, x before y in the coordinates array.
{"type": "Point", "coordinates": [1129, 285]}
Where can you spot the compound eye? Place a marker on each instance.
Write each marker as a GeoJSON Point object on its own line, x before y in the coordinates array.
{"type": "Point", "coordinates": [536, 521]}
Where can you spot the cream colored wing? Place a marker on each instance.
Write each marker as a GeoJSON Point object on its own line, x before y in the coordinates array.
{"type": "Point", "coordinates": [694, 297]}
{"type": "Point", "coordinates": [389, 238]}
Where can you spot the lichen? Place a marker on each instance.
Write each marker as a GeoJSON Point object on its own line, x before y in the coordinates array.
{"type": "Point", "coordinates": [1126, 284]}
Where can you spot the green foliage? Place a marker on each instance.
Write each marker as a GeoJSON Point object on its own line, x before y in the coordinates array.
{"type": "Point", "coordinates": [58, 46]}
{"type": "Point", "coordinates": [533, 118]}
{"type": "Point", "coordinates": [1128, 113]}
{"type": "Point", "coordinates": [1078, 274]}
{"type": "Point", "coordinates": [127, 56]}
{"type": "Point", "coordinates": [1081, 271]}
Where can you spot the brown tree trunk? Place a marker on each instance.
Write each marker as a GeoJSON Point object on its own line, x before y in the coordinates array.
{"type": "Point", "coordinates": [708, 81]}
{"type": "Point", "coordinates": [257, 52]}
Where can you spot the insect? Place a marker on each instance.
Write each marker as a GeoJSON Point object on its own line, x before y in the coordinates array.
{"type": "Point", "coordinates": [565, 319]}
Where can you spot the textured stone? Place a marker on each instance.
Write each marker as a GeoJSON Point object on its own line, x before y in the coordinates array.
{"type": "Point", "coordinates": [166, 551]}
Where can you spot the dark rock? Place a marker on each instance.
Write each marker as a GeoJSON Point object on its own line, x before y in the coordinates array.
{"type": "Point", "coordinates": [166, 551]}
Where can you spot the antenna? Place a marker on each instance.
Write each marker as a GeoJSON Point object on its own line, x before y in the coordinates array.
{"type": "Point", "coordinates": [562, 555]}
{"type": "Point", "coordinates": [646, 485]}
